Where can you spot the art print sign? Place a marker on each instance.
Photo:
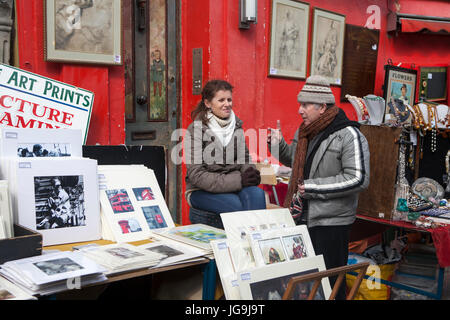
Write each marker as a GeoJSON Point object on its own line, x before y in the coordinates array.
{"type": "Point", "coordinates": [28, 100]}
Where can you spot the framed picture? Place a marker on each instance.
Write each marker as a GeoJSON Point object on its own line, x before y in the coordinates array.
{"type": "Point", "coordinates": [281, 245]}
{"type": "Point", "coordinates": [87, 31]}
{"type": "Point", "coordinates": [328, 45]}
{"type": "Point", "coordinates": [270, 282]}
{"type": "Point", "coordinates": [289, 39]}
{"type": "Point", "coordinates": [399, 85]}
{"type": "Point", "coordinates": [433, 83]}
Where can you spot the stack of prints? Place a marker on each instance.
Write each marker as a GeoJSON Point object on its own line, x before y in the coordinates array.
{"type": "Point", "coordinates": [53, 272]}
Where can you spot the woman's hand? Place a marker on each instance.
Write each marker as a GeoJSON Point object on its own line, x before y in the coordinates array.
{"type": "Point", "coordinates": [250, 177]}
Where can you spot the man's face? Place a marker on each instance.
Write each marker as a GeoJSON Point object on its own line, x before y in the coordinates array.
{"type": "Point", "coordinates": [311, 112]}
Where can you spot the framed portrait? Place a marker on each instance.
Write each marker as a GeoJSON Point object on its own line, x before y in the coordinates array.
{"type": "Point", "coordinates": [289, 39]}
{"type": "Point", "coordinates": [270, 282]}
{"type": "Point", "coordinates": [328, 45]}
{"type": "Point", "coordinates": [83, 31]}
{"type": "Point", "coordinates": [399, 91]}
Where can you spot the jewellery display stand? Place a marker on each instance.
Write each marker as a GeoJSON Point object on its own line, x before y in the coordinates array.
{"type": "Point", "coordinates": [375, 108]}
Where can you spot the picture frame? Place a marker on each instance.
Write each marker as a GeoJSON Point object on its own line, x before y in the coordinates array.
{"type": "Point", "coordinates": [432, 83]}
{"type": "Point", "coordinates": [270, 282]}
{"type": "Point", "coordinates": [399, 84]}
{"type": "Point", "coordinates": [281, 245]}
{"type": "Point", "coordinates": [289, 39]}
{"type": "Point", "coordinates": [327, 52]}
{"type": "Point", "coordinates": [87, 32]}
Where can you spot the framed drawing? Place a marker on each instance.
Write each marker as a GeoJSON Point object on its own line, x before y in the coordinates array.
{"type": "Point", "coordinates": [86, 31]}
{"type": "Point", "coordinates": [328, 45]}
{"type": "Point", "coordinates": [289, 39]}
{"type": "Point", "coordinates": [270, 282]}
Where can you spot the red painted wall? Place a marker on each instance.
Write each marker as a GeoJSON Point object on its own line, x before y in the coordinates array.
{"type": "Point", "coordinates": [107, 126]}
{"type": "Point", "coordinates": [241, 57]}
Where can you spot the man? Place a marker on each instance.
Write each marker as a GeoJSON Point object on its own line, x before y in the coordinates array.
{"type": "Point", "coordinates": [329, 157]}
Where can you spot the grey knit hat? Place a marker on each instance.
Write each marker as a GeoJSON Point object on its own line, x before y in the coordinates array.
{"type": "Point", "coordinates": [316, 90]}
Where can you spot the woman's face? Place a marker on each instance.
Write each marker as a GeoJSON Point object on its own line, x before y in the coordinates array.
{"type": "Point", "coordinates": [221, 104]}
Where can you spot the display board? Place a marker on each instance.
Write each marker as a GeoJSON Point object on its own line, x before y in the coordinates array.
{"type": "Point", "coordinates": [360, 61]}
{"type": "Point", "coordinates": [378, 199]}
{"type": "Point", "coordinates": [153, 157]}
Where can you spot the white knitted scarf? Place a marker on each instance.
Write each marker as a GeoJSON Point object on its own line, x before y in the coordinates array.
{"type": "Point", "coordinates": [222, 128]}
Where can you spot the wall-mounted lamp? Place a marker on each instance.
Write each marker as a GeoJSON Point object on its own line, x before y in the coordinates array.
{"type": "Point", "coordinates": [247, 13]}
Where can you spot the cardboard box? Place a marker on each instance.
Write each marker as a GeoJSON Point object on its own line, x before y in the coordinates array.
{"type": "Point", "coordinates": [267, 173]}
{"type": "Point", "coordinates": [25, 243]}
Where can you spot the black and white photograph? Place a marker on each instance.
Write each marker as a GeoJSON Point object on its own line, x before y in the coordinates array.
{"type": "Point", "coordinates": [289, 39]}
{"type": "Point", "coordinates": [57, 266]}
{"type": "Point", "coordinates": [123, 253]}
{"type": "Point", "coordinates": [27, 150]}
{"type": "Point", "coordinates": [166, 250]}
{"type": "Point", "coordinates": [59, 202]}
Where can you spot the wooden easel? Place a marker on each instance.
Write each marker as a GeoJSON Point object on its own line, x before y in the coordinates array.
{"type": "Point", "coordinates": [318, 276]}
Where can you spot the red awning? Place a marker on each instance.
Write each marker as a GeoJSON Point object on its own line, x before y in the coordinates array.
{"type": "Point", "coordinates": [418, 25]}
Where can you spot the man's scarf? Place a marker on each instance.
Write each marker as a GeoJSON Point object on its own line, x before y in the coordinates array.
{"type": "Point", "coordinates": [305, 134]}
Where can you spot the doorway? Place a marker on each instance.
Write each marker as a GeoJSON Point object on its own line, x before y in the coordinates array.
{"type": "Point", "coordinates": [151, 49]}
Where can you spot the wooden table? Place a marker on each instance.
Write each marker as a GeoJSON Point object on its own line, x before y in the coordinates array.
{"type": "Point", "coordinates": [209, 268]}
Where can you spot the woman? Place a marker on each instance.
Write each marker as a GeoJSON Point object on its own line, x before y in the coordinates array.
{"type": "Point", "coordinates": [219, 175]}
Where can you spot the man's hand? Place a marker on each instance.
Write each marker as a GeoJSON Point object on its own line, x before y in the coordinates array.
{"type": "Point", "coordinates": [275, 136]}
{"type": "Point", "coordinates": [301, 189]}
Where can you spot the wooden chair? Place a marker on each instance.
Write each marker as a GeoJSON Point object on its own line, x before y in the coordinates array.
{"type": "Point", "coordinates": [318, 276]}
